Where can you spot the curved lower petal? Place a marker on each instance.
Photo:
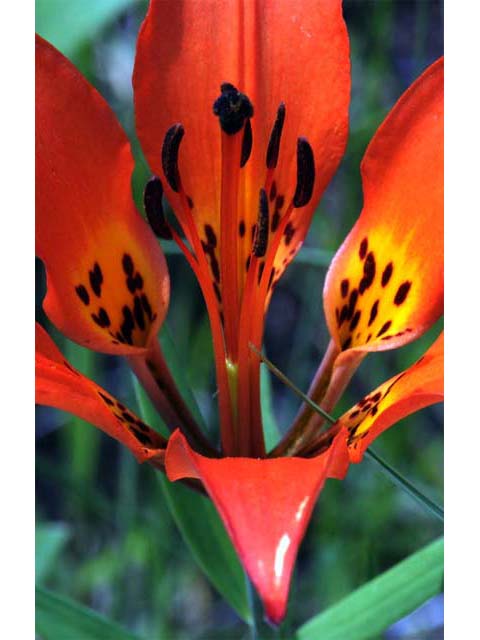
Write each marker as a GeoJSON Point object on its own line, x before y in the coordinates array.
{"type": "Point", "coordinates": [385, 285]}
{"type": "Point", "coordinates": [61, 386]}
{"type": "Point", "coordinates": [405, 393]}
{"type": "Point", "coordinates": [108, 286]}
{"type": "Point", "coordinates": [265, 506]}
{"type": "Point", "coordinates": [295, 52]}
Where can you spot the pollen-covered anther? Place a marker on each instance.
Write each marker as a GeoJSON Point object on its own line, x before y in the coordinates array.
{"type": "Point", "coordinates": [232, 108]}
{"type": "Point", "coordinates": [305, 173]}
{"type": "Point", "coordinates": [275, 137]}
{"type": "Point", "coordinates": [170, 148]}
{"type": "Point", "coordinates": [247, 143]}
{"type": "Point", "coordinates": [261, 236]}
{"type": "Point", "coordinates": [152, 201]}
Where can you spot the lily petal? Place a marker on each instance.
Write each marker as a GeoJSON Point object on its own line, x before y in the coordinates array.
{"type": "Point", "coordinates": [384, 287]}
{"type": "Point", "coordinates": [265, 506]}
{"type": "Point", "coordinates": [294, 52]}
{"type": "Point", "coordinates": [108, 285]}
{"type": "Point", "coordinates": [61, 386]}
{"type": "Point", "coordinates": [405, 393]}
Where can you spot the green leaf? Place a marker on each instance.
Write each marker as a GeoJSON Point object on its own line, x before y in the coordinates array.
{"type": "Point", "coordinates": [49, 542]}
{"type": "Point", "coordinates": [59, 618]}
{"type": "Point", "coordinates": [379, 603]}
{"type": "Point", "coordinates": [67, 25]}
{"type": "Point", "coordinates": [195, 515]}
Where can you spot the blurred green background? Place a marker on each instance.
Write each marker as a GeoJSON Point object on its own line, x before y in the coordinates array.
{"type": "Point", "coordinates": [105, 536]}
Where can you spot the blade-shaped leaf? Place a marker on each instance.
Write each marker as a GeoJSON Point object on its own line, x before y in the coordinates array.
{"type": "Point", "coordinates": [59, 618]}
{"type": "Point", "coordinates": [373, 607]}
{"type": "Point", "coordinates": [195, 515]}
{"type": "Point", "coordinates": [49, 542]}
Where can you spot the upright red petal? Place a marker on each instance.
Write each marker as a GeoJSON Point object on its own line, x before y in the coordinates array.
{"type": "Point", "coordinates": [108, 285]}
{"type": "Point", "coordinates": [405, 393]}
{"type": "Point", "coordinates": [385, 285]}
{"type": "Point", "coordinates": [295, 52]}
{"type": "Point", "coordinates": [265, 506]}
{"type": "Point", "coordinates": [59, 385]}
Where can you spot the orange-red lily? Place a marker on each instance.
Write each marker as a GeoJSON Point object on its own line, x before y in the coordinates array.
{"type": "Point", "coordinates": [242, 113]}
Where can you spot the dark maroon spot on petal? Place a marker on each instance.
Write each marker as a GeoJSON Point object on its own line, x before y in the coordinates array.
{"type": "Point", "coordinates": [82, 293]}
{"type": "Point", "coordinates": [127, 264]}
{"type": "Point", "coordinates": [385, 328]}
{"type": "Point", "coordinates": [344, 286]}
{"type": "Point", "coordinates": [70, 368]}
{"type": "Point", "coordinates": [138, 313]}
{"type": "Point", "coordinates": [247, 264]}
{"type": "Point", "coordinates": [362, 252]}
{"type": "Point", "coordinates": [241, 228]}
{"type": "Point", "coordinates": [96, 279]}
{"type": "Point", "coordinates": [275, 221]}
{"type": "Point", "coordinates": [215, 267]}
{"type": "Point", "coordinates": [101, 318]}
{"type": "Point", "coordinates": [347, 343]}
{"type": "Point", "coordinates": [402, 292]}
{"type": "Point", "coordinates": [211, 236]}
{"type": "Point", "coordinates": [387, 274]}
{"type": "Point", "coordinates": [369, 337]}
{"type": "Point", "coordinates": [279, 202]}
{"type": "Point", "coordinates": [190, 202]}
{"type": "Point", "coordinates": [343, 315]}
{"type": "Point", "coordinates": [373, 411]}
{"type": "Point", "coordinates": [141, 425]}
{"type": "Point", "coordinates": [247, 142]}
{"type": "Point", "coordinates": [368, 273]}
{"type": "Point", "coordinates": [146, 306]}
{"type": "Point", "coordinates": [362, 402]}
{"type": "Point", "coordinates": [289, 233]}
{"type": "Point", "coordinates": [352, 303]}
{"type": "Point", "coordinates": [121, 406]}
{"type": "Point", "coordinates": [355, 320]}
{"type": "Point", "coordinates": [354, 414]}
{"type": "Point", "coordinates": [373, 312]}
{"type": "Point", "coordinates": [128, 417]}
{"type": "Point", "coordinates": [273, 191]}
{"type": "Point", "coordinates": [218, 293]}
{"type": "Point", "coordinates": [275, 137]}
{"type": "Point", "coordinates": [260, 271]}
{"type": "Point", "coordinates": [106, 399]}
{"type": "Point", "coordinates": [141, 437]}
{"type": "Point", "coordinates": [377, 396]}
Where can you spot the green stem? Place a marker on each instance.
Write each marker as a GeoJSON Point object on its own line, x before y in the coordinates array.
{"type": "Point", "coordinates": [404, 484]}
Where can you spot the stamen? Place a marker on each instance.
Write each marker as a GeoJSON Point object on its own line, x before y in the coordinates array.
{"type": "Point", "coordinates": [261, 236]}
{"type": "Point", "coordinates": [152, 201]}
{"type": "Point", "coordinates": [246, 143]}
{"type": "Point", "coordinates": [232, 108]}
{"type": "Point", "coordinates": [305, 173]}
{"type": "Point", "coordinates": [275, 137]}
{"type": "Point", "coordinates": [170, 148]}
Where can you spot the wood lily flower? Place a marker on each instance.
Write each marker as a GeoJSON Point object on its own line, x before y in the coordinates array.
{"type": "Point", "coordinates": [242, 112]}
